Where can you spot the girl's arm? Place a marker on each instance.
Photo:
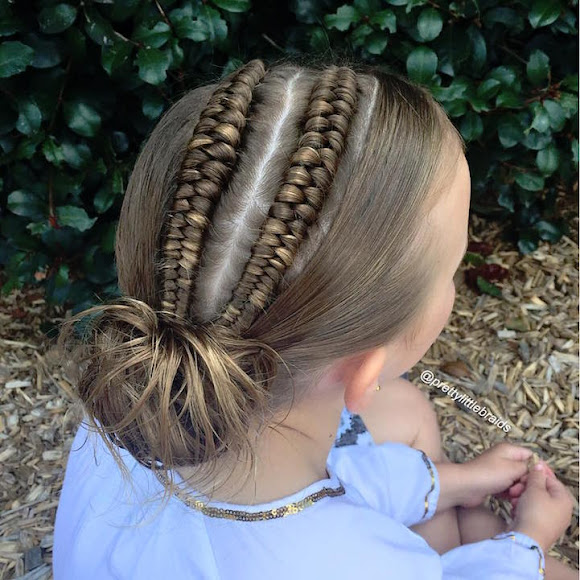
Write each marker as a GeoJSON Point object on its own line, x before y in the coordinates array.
{"type": "Point", "coordinates": [456, 482]}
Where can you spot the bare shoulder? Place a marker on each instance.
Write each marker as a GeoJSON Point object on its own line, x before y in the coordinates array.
{"type": "Point", "coordinates": [397, 412]}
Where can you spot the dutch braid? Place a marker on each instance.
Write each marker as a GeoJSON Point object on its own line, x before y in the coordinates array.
{"type": "Point", "coordinates": [306, 184]}
{"type": "Point", "coordinates": [208, 164]}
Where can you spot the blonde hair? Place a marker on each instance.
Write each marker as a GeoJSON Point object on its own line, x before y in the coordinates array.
{"type": "Point", "coordinates": [270, 227]}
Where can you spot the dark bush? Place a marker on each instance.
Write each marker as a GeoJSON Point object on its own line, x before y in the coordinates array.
{"type": "Point", "coordinates": [82, 83]}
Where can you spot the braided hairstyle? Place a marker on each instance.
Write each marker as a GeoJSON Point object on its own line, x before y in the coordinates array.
{"type": "Point", "coordinates": [272, 218]}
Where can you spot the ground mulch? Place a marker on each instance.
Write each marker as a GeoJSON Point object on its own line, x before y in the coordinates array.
{"type": "Point", "coordinates": [516, 354]}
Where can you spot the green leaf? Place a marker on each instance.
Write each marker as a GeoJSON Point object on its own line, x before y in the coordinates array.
{"type": "Point", "coordinates": [421, 64]}
{"type": "Point", "coordinates": [318, 41]}
{"type": "Point", "coordinates": [114, 56]}
{"type": "Point", "coordinates": [506, 199]}
{"type": "Point", "coordinates": [9, 24]}
{"type": "Point", "coordinates": [538, 67]}
{"type": "Point", "coordinates": [192, 29]}
{"type": "Point", "coordinates": [14, 58]}
{"type": "Point", "coordinates": [82, 118]}
{"type": "Point", "coordinates": [38, 228]}
{"type": "Point", "coordinates": [556, 114]}
{"type": "Point", "coordinates": [385, 19]}
{"type": "Point", "coordinates": [509, 131]}
{"type": "Point", "coordinates": [429, 24]}
{"type": "Point", "coordinates": [47, 53]}
{"type": "Point", "coordinates": [478, 49]}
{"type": "Point", "coordinates": [527, 213]}
{"type": "Point", "coordinates": [569, 103]}
{"type": "Point", "coordinates": [548, 231]}
{"type": "Point", "coordinates": [104, 198]}
{"type": "Point", "coordinates": [471, 126]}
{"type": "Point", "coordinates": [155, 37]}
{"type": "Point", "coordinates": [509, 99]}
{"type": "Point", "coordinates": [455, 91]}
{"type": "Point", "coordinates": [541, 120]}
{"type": "Point", "coordinates": [61, 278]}
{"type": "Point", "coordinates": [456, 108]}
{"type": "Point", "coordinates": [153, 64]}
{"type": "Point", "coordinates": [367, 6]}
{"type": "Point", "coordinates": [77, 155]}
{"type": "Point", "coordinates": [75, 217]}
{"type": "Point", "coordinates": [117, 182]}
{"type": "Point", "coordinates": [571, 82]}
{"type": "Point", "coordinates": [535, 140]}
{"type": "Point", "coordinates": [233, 5]}
{"type": "Point", "coordinates": [217, 28]}
{"type": "Point", "coordinates": [376, 42]}
{"type": "Point", "coordinates": [544, 12]}
{"type": "Point", "coordinates": [119, 141]}
{"type": "Point", "coordinates": [529, 181]}
{"type": "Point", "coordinates": [29, 117]}
{"type": "Point", "coordinates": [54, 19]}
{"type": "Point", "coordinates": [57, 288]}
{"type": "Point", "coordinates": [342, 18]}
{"type": "Point", "coordinates": [176, 52]}
{"type": "Point", "coordinates": [12, 283]}
{"type": "Point", "coordinates": [488, 88]}
{"type": "Point", "coordinates": [574, 147]}
{"type": "Point", "coordinates": [186, 25]}
{"type": "Point", "coordinates": [97, 28]}
{"type": "Point", "coordinates": [26, 204]}
{"type": "Point", "coordinates": [505, 75]}
{"type": "Point", "coordinates": [503, 15]}
{"type": "Point", "coordinates": [548, 160]}
{"type": "Point", "coordinates": [52, 151]}
{"type": "Point", "coordinates": [474, 258]}
{"type": "Point", "coordinates": [108, 238]}
{"type": "Point", "coordinates": [488, 287]}
{"type": "Point", "coordinates": [360, 34]}
{"type": "Point", "coordinates": [152, 105]}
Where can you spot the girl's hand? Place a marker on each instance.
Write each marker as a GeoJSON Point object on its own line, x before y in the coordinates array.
{"type": "Point", "coordinates": [498, 470]}
{"type": "Point", "coordinates": [515, 491]}
{"type": "Point", "coordinates": [545, 507]}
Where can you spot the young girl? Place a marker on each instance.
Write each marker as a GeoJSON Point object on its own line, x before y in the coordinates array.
{"type": "Point", "coordinates": [286, 245]}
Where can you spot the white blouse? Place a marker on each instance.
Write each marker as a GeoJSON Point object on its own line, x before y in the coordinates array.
{"type": "Point", "coordinates": [355, 524]}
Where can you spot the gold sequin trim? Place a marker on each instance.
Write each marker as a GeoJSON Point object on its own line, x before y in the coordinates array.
{"type": "Point", "coordinates": [428, 464]}
{"type": "Point", "coordinates": [540, 569]}
{"type": "Point", "coordinates": [280, 512]}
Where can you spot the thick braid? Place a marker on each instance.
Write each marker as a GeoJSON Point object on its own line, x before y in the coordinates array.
{"type": "Point", "coordinates": [205, 171]}
{"type": "Point", "coordinates": [306, 183]}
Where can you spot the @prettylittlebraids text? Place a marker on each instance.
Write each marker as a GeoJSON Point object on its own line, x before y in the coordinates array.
{"type": "Point", "coordinates": [429, 379]}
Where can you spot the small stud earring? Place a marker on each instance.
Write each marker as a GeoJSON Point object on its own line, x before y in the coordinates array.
{"type": "Point", "coordinates": [378, 388]}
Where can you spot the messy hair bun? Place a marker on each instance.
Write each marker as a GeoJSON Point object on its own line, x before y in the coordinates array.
{"type": "Point", "coordinates": [273, 217]}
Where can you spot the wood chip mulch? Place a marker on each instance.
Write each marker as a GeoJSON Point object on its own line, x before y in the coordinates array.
{"type": "Point", "coordinates": [517, 355]}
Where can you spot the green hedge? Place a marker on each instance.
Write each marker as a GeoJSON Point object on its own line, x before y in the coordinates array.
{"type": "Point", "coordinates": [82, 83]}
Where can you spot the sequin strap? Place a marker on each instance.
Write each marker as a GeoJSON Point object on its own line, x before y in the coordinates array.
{"type": "Point", "coordinates": [280, 512]}
{"type": "Point", "coordinates": [526, 543]}
{"type": "Point", "coordinates": [430, 468]}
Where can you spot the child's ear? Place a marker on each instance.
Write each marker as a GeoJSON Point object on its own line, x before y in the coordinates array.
{"type": "Point", "coordinates": [361, 376]}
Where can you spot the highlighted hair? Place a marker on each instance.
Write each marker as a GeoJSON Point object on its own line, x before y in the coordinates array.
{"type": "Point", "coordinates": [274, 223]}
